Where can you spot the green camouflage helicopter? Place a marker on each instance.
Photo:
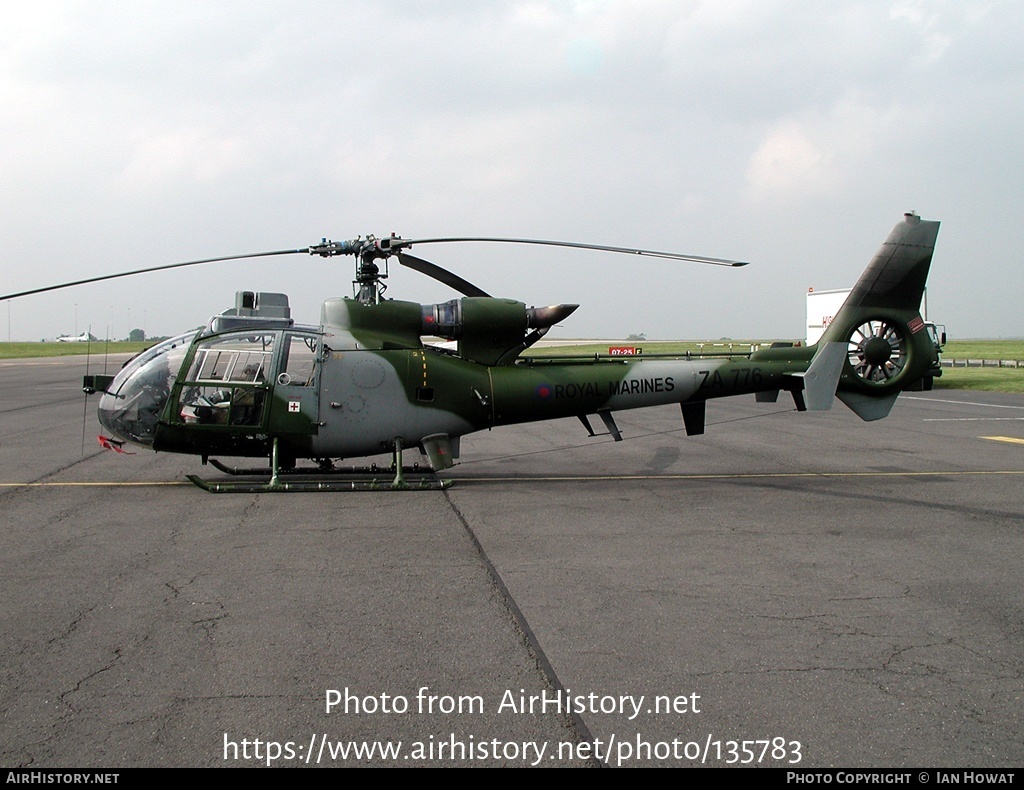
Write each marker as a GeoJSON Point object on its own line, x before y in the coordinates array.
{"type": "Point", "coordinates": [253, 383]}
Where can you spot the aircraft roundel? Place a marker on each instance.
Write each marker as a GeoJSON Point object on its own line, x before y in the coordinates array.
{"type": "Point", "coordinates": [544, 391]}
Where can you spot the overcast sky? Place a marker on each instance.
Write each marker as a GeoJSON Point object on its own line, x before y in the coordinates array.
{"type": "Point", "coordinates": [790, 134]}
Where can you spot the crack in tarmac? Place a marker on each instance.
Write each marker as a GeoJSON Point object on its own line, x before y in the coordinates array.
{"type": "Point", "coordinates": [522, 625]}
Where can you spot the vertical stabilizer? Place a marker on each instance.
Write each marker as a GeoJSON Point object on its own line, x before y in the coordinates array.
{"type": "Point", "coordinates": [896, 276]}
{"type": "Point", "coordinates": [880, 324]}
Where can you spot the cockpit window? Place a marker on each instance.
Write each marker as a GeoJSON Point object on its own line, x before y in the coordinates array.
{"type": "Point", "coordinates": [300, 360]}
{"type": "Point", "coordinates": [132, 404]}
{"type": "Point", "coordinates": [233, 359]}
{"type": "Point", "coordinates": [179, 345]}
{"type": "Point", "coordinates": [227, 381]}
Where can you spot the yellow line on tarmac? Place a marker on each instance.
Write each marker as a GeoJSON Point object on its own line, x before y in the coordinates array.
{"type": "Point", "coordinates": [1009, 439]}
{"type": "Point", "coordinates": [97, 484]}
{"type": "Point", "coordinates": [727, 476]}
{"type": "Point", "coordinates": [583, 478]}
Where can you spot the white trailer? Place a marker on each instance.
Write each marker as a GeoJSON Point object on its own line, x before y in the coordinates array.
{"type": "Point", "coordinates": [822, 307]}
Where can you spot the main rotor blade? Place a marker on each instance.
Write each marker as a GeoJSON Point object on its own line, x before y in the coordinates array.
{"type": "Point", "coordinates": [442, 275]}
{"type": "Point", "coordinates": [675, 256]}
{"type": "Point", "coordinates": [149, 269]}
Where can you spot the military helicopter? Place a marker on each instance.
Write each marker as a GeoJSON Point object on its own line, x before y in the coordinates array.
{"type": "Point", "coordinates": [253, 383]}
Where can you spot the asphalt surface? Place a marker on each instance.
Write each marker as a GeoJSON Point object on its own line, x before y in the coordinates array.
{"type": "Point", "coordinates": [789, 588]}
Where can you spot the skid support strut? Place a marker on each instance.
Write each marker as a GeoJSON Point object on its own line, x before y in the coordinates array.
{"type": "Point", "coordinates": [316, 480]}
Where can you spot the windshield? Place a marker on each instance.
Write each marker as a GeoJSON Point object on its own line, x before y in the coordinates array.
{"type": "Point", "coordinates": [135, 399]}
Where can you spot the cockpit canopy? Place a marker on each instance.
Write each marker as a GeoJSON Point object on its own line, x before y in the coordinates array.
{"type": "Point", "coordinates": [225, 382]}
{"type": "Point", "coordinates": [133, 402]}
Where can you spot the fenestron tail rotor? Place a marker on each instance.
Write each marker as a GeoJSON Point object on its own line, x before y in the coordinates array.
{"type": "Point", "coordinates": [878, 351]}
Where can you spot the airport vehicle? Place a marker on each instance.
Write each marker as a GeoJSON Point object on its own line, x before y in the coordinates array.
{"type": "Point", "coordinates": [822, 308]}
{"type": "Point", "coordinates": [362, 382]}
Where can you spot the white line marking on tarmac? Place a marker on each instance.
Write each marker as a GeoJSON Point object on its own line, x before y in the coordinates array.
{"type": "Point", "coordinates": [971, 419]}
{"type": "Point", "coordinates": [962, 402]}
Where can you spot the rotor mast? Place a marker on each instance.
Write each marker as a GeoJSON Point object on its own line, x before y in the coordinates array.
{"type": "Point", "coordinates": [368, 286]}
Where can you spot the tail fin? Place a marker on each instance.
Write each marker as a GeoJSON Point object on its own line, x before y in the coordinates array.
{"type": "Point", "coordinates": [880, 323]}
{"type": "Point", "coordinates": [896, 276]}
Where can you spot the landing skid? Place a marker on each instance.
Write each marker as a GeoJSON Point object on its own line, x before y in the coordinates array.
{"type": "Point", "coordinates": [373, 469]}
{"type": "Point", "coordinates": [317, 486]}
{"type": "Point", "coordinates": [312, 480]}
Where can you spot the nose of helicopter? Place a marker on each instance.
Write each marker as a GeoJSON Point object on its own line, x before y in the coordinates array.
{"type": "Point", "coordinates": [132, 405]}
{"type": "Point", "coordinates": [131, 416]}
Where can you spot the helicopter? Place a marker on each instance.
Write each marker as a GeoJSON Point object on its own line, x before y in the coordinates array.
{"type": "Point", "coordinates": [254, 383]}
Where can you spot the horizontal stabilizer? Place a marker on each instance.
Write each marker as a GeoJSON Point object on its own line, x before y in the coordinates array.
{"type": "Point", "coordinates": [767, 396]}
{"type": "Point", "coordinates": [868, 407]}
{"type": "Point", "coordinates": [822, 377]}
